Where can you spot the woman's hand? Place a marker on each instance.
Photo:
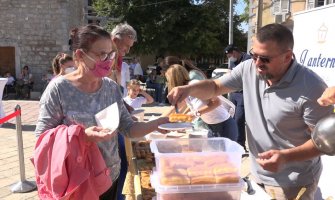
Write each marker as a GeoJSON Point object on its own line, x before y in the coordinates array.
{"type": "Point", "coordinates": [162, 120]}
{"type": "Point", "coordinates": [98, 134]}
{"type": "Point", "coordinates": [193, 114]}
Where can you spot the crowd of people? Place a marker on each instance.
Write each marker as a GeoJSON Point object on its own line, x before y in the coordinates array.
{"type": "Point", "coordinates": [21, 86]}
{"type": "Point", "coordinates": [276, 102]}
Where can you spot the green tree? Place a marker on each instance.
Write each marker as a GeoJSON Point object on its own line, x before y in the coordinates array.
{"type": "Point", "coordinates": [245, 15]}
{"type": "Point", "coordinates": [180, 27]}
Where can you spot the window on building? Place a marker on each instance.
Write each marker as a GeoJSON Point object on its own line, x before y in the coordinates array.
{"type": "Point", "coordinates": [280, 7]}
{"type": "Point", "coordinates": [317, 3]}
{"type": "Point", "coordinates": [320, 3]}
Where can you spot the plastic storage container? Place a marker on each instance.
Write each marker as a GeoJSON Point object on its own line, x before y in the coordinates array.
{"type": "Point", "coordinates": [196, 192]}
{"type": "Point", "coordinates": [197, 161]}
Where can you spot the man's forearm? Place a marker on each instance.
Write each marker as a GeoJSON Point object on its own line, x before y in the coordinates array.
{"type": "Point", "coordinates": [303, 152]}
{"type": "Point", "coordinates": [206, 89]}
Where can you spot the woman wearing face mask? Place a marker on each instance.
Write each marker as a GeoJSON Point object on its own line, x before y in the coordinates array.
{"type": "Point", "coordinates": [75, 98]}
{"type": "Point", "coordinates": [62, 64]}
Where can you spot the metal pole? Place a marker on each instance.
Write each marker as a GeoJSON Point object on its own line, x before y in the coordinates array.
{"type": "Point", "coordinates": [231, 23]}
{"type": "Point", "coordinates": [20, 144]}
{"type": "Point", "coordinates": [259, 15]}
{"type": "Point", "coordinates": [23, 185]}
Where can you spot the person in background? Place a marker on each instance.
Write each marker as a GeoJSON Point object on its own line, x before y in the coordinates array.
{"type": "Point", "coordinates": [194, 72]}
{"type": "Point", "coordinates": [75, 98]}
{"type": "Point", "coordinates": [281, 110]}
{"type": "Point", "coordinates": [211, 111]}
{"type": "Point", "coordinates": [158, 65]}
{"type": "Point", "coordinates": [138, 71]}
{"type": "Point", "coordinates": [123, 37]}
{"type": "Point", "coordinates": [161, 81]}
{"type": "Point", "coordinates": [131, 64]}
{"type": "Point", "coordinates": [47, 77]}
{"type": "Point", "coordinates": [62, 64]}
{"type": "Point", "coordinates": [235, 57]}
{"type": "Point", "coordinates": [125, 77]}
{"type": "Point", "coordinates": [24, 84]}
{"type": "Point", "coordinates": [151, 82]}
{"type": "Point", "coordinates": [10, 85]}
{"type": "Point", "coordinates": [10, 79]}
{"type": "Point", "coordinates": [135, 101]}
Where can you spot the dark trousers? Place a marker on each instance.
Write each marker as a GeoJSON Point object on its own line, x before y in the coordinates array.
{"type": "Point", "coordinates": [226, 129]}
{"type": "Point", "coordinates": [124, 167]}
{"type": "Point", "coordinates": [158, 90]}
{"type": "Point", "coordinates": [110, 194]}
{"type": "Point", "coordinates": [237, 99]}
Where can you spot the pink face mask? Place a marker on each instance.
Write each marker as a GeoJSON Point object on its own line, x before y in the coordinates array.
{"type": "Point", "coordinates": [101, 68]}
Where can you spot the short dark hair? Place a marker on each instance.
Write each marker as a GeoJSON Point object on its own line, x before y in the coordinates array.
{"type": "Point", "coordinates": [230, 48]}
{"type": "Point", "coordinates": [277, 33]}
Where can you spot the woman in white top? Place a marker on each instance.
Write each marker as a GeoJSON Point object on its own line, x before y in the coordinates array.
{"type": "Point", "coordinates": [134, 89]}
{"type": "Point", "coordinates": [212, 112]}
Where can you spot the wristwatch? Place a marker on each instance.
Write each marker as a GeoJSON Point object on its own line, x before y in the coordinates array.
{"type": "Point", "coordinates": [197, 113]}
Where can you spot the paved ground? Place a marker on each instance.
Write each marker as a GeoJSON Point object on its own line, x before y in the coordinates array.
{"type": "Point", "coordinates": [9, 162]}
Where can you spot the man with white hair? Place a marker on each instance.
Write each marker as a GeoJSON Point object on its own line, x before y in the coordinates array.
{"type": "Point", "coordinates": [123, 36]}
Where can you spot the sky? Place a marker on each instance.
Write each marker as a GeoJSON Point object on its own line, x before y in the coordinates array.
{"type": "Point", "coordinates": [239, 9]}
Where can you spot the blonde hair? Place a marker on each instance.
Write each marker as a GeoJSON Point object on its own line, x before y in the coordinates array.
{"type": "Point", "coordinates": [176, 75]}
{"type": "Point", "coordinates": [132, 83]}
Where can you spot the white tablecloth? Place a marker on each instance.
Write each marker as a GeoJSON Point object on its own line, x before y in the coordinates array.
{"type": "Point", "coordinates": [326, 183]}
{"type": "Point", "coordinates": [3, 82]}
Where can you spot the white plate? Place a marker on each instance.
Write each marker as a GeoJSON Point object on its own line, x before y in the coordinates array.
{"type": "Point", "coordinates": [137, 111]}
{"type": "Point", "coordinates": [175, 126]}
{"type": "Point", "coordinates": [175, 134]}
{"type": "Point", "coordinates": [155, 135]}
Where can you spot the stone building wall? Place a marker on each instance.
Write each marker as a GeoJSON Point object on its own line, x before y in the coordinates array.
{"type": "Point", "coordinates": [37, 30]}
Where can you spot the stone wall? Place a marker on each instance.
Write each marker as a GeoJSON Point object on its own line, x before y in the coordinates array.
{"type": "Point", "coordinates": [38, 29]}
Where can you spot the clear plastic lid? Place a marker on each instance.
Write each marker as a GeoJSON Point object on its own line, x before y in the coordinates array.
{"type": "Point", "coordinates": [219, 144]}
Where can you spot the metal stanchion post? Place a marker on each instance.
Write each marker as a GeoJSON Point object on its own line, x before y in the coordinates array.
{"type": "Point", "coordinates": [23, 185]}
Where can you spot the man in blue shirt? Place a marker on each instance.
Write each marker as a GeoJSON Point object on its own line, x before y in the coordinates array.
{"type": "Point", "coordinates": [235, 57]}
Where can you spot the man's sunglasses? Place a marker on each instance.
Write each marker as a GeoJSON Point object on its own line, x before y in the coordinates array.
{"type": "Point", "coordinates": [263, 59]}
{"type": "Point", "coordinates": [255, 57]}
